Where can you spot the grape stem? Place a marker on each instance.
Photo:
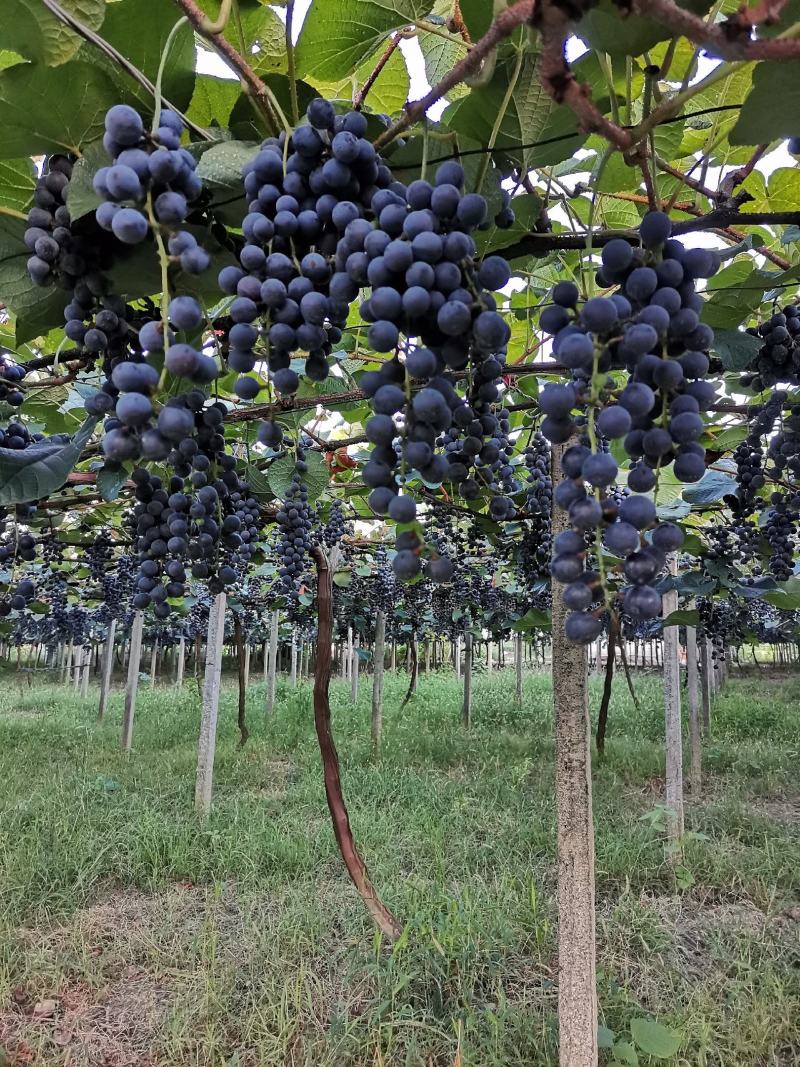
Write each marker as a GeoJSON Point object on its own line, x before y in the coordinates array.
{"type": "Point", "coordinates": [290, 66]}
{"type": "Point", "coordinates": [173, 33]}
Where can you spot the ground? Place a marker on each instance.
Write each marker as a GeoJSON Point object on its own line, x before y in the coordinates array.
{"type": "Point", "coordinates": [132, 935]}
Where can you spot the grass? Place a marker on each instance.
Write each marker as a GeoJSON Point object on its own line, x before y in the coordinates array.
{"type": "Point", "coordinates": [132, 934]}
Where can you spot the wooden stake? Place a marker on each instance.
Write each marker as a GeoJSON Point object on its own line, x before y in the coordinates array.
{"type": "Point", "coordinates": [377, 681]}
{"type": "Point", "coordinates": [134, 656]}
{"type": "Point", "coordinates": [208, 721]}
{"type": "Point", "coordinates": [672, 723]}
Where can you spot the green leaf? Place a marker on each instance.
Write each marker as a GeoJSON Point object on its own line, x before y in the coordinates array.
{"type": "Point", "coordinates": [605, 30]}
{"type": "Point", "coordinates": [682, 618]}
{"type": "Point", "coordinates": [526, 115]}
{"type": "Point", "coordinates": [268, 33]}
{"type": "Point", "coordinates": [527, 209]}
{"type": "Point", "coordinates": [35, 32]}
{"type": "Point", "coordinates": [316, 479]}
{"type": "Point", "coordinates": [735, 293]}
{"type": "Point", "coordinates": [37, 310]}
{"type": "Point", "coordinates": [139, 30]}
{"type": "Point", "coordinates": [736, 348]}
{"type": "Point", "coordinates": [17, 182]}
{"type": "Point", "coordinates": [625, 1053]}
{"type": "Point", "coordinates": [389, 91]}
{"type": "Point", "coordinates": [477, 16]}
{"type": "Point", "coordinates": [782, 193]}
{"type": "Point", "coordinates": [258, 482]}
{"type": "Point", "coordinates": [655, 1039]}
{"type": "Point", "coordinates": [39, 470]}
{"type": "Point", "coordinates": [440, 54]}
{"type": "Point", "coordinates": [110, 482]}
{"type": "Point", "coordinates": [772, 107]}
{"type": "Point", "coordinates": [713, 486]}
{"type": "Point", "coordinates": [338, 35]}
{"type": "Point", "coordinates": [342, 578]}
{"type": "Point", "coordinates": [74, 99]}
{"type": "Point", "coordinates": [213, 100]}
{"type": "Point", "coordinates": [221, 165]}
{"type": "Point", "coordinates": [605, 1037]}
{"type": "Point", "coordinates": [81, 197]}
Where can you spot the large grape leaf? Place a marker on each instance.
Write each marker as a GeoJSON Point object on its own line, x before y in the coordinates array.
{"type": "Point", "coordinates": [213, 100]}
{"type": "Point", "coordinates": [389, 91]}
{"type": "Point", "coordinates": [43, 109]}
{"type": "Point", "coordinates": [34, 31]}
{"type": "Point", "coordinates": [338, 35]}
{"type": "Point", "coordinates": [17, 182]}
{"type": "Point", "coordinates": [735, 348]}
{"type": "Point", "coordinates": [139, 30]}
{"type": "Point", "coordinates": [772, 107]}
{"type": "Point", "coordinates": [605, 30]}
{"type": "Point", "coordinates": [39, 470]}
{"type": "Point", "coordinates": [316, 478]}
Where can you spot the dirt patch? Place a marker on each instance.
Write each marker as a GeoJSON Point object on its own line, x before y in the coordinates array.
{"type": "Point", "coordinates": [95, 994]}
{"type": "Point", "coordinates": [696, 927]}
{"type": "Point", "coordinates": [784, 811]}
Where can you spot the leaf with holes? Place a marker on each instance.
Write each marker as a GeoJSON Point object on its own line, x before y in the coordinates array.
{"type": "Point", "coordinates": [35, 472]}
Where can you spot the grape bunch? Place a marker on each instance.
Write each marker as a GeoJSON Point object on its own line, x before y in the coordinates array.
{"type": "Point", "coordinates": [781, 532]}
{"type": "Point", "coordinates": [336, 526]}
{"type": "Point", "coordinates": [651, 330]}
{"type": "Point", "coordinates": [203, 521]}
{"type": "Point", "coordinates": [294, 520]}
{"type": "Point", "coordinates": [59, 254]}
{"type": "Point", "coordinates": [778, 358]}
{"type": "Point", "coordinates": [292, 279]}
{"type": "Point", "coordinates": [11, 374]}
{"type": "Point", "coordinates": [147, 174]}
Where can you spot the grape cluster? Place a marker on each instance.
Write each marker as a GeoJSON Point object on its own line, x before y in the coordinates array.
{"type": "Point", "coordinates": [292, 278]}
{"type": "Point", "coordinates": [651, 330]}
{"type": "Point", "coordinates": [57, 253]}
{"type": "Point", "coordinates": [336, 527]}
{"type": "Point", "coordinates": [781, 533]}
{"type": "Point", "coordinates": [778, 358]}
{"type": "Point", "coordinates": [146, 173]}
{"type": "Point", "coordinates": [16, 435]}
{"type": "Point", "coordinates": [538, 487]}
{"type": "Point", "coordinates": [203, 519]}
{"type": "Point", "coordinates": [295, 523]}
{"type": "Point", "coordinates": [11, 374]}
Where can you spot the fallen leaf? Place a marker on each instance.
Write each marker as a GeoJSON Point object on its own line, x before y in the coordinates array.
{"type": "Point", "coordinates": [43, 1009]}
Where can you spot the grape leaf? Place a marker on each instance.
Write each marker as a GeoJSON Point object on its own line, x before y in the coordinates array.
{"type": "Point", "coordinates": [389, 91]}
{"type": "Point", "coordinates": [36, 472]}
{"type": "Point", "coordinates": [81, 197]}
{"type": "Point", "coordinates": [772, 107]}
{"type": "Point", "coordinates": [315, 479]}
{"type": "Point", "coordinates": [34, 31]}
{"type": "Point", "coordinates": [736, 348]}
{"type": "Point", "coordinates": [74, 100]}
{"type": "Point", "coordinates": [17, 182]}
{"type": "Point", "coordinates": [109, 482]}
{"type": "Point", "coordinates": [338, 35]}
{"type": "Point", "coordinates": [139, 30]}
{"type": "Point", "coordinates": [213, 100]}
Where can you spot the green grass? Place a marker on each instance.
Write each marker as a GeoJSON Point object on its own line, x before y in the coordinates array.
{"type": "Point", "coordinates": [241, 941]}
